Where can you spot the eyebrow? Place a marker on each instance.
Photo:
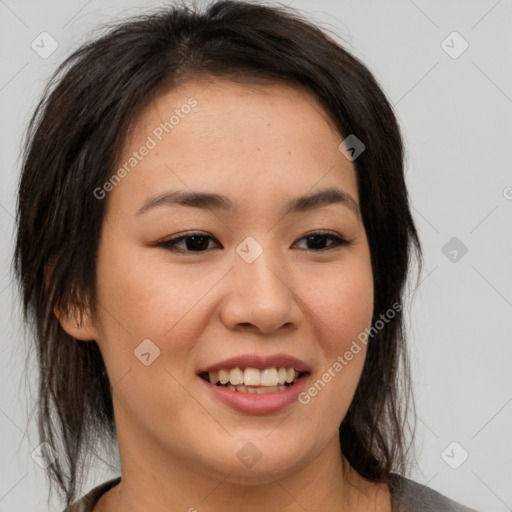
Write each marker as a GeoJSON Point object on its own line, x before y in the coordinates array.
{"type": "Point", "coordinates": [208, 200]}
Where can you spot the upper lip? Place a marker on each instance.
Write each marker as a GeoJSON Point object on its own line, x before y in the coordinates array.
{"type": "Point", "coordinates": [258, 362]}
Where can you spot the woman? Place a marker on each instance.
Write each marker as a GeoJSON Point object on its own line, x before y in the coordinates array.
{"type": "Point", "coordinates": [213, 240]}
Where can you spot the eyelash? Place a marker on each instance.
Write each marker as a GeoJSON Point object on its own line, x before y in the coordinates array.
{"type": "Point", "coordinates": [171, 243]}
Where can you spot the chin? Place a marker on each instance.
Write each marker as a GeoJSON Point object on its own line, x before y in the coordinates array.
{"type": "Point", "coordinates": [259, 461]}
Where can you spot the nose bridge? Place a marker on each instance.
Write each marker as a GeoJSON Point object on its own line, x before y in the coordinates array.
{"type": "Point", "coordinates": [260, 275]}
{"type": "Point", "coordinates": [263, 276]}
{"type": "Point", "coordinates": [259, 292]}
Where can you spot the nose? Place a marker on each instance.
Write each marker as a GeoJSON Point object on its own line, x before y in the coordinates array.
{"type": "Point", "coordinates": [260, 296]}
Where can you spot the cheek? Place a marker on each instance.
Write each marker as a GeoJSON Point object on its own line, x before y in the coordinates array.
{"type": "Point", "coordinates": [139, 301]}
{"type": "Point", "coordinates": [146, 298]}
{"type": "Point", "coordinates": [341, 305]}
{"type": "Point", "coordinates": [342, 302]}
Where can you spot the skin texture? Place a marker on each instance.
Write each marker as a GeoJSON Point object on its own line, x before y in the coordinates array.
{"type": "Point", "coordinates": [261, 146]}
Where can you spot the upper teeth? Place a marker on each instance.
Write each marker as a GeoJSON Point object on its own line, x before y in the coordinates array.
{"type": "Point", "coordinates": [254, 377]}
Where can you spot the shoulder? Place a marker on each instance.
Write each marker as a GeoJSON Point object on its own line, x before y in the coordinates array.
{"type": "Point", "coordinates": [408, 495]}
{"type": "Point", "coordinates": [87, 502]}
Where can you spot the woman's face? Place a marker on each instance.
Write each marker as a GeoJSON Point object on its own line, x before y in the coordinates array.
{"type": "Point", "coordinates": [250, 285]}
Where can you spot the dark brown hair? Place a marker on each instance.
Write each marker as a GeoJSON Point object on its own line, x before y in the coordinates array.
{"type": "Point", "coordinates": [72, 148]}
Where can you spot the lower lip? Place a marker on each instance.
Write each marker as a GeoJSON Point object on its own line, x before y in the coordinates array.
{"type": "Point", "coordinates": [252, 403]}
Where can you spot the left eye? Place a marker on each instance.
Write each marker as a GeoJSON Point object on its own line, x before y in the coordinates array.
{"type": "Point", "coordinates": [198, 242]}
{"type": "Point", "coordinates": [318, 239]}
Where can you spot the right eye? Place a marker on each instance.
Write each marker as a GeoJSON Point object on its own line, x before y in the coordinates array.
{"type": "Point", "coordinates": [192, 242]}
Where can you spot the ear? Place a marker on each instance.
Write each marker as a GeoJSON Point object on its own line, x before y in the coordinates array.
{"type": "Point", "coordinates": [77, 323]}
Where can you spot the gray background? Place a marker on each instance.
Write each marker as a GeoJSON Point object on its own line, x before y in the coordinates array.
{"type": "Point", "coordinates": [456, 116]}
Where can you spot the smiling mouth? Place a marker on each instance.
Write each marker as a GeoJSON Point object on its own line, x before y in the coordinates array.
{"type": "Point", "coordinates": [254, 381]}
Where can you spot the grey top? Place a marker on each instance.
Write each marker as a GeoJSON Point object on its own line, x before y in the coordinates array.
{"type": "Point", "coordinates": [407, 496]}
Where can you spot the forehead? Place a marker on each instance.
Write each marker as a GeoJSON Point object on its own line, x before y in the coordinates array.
{"type": "Point", "coordinates": [243, 140]}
